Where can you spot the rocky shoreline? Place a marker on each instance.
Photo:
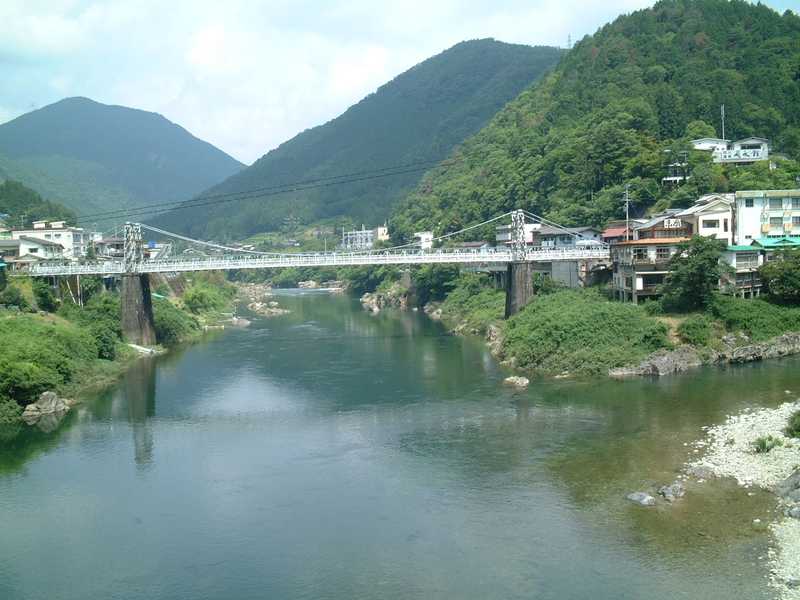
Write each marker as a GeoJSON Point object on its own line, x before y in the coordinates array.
{"type": "Point", "coordinates": [48, 411]}
{"type": "Point", "coordinates": [732, 450]}
{"type": "Point", "coordinates": [736, 349]}
{"type": "Point", "coordinates": [256, 296]}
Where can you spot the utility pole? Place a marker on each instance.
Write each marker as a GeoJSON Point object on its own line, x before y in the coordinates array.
{"type": "Point", "coordinates": [722, 114]}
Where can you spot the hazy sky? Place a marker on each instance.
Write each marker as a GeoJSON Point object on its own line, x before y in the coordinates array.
{"type": "Point", "coordinates": [247, 76]}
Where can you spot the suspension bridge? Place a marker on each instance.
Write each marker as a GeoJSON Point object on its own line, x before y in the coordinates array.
{"type": "Point", "coordinates": [518, 256]}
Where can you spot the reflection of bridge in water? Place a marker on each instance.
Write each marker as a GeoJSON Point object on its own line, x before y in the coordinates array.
{"type": "Point", "coordinates": [517, 257]}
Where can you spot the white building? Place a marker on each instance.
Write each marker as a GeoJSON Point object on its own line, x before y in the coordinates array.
{"type": "Point", "coordinates": [712, 216]}
{"type": "Point", "coordinates": [767, 214]}
{"type": "Point", "coordinates": [744, 151]}
{"type": "Point", "coordinates": [364, 239]}
{"type": "Point", "coordinates": [73, 240]}
{"type": "Point", "coordinates": [425, 239]}
{"type": "Point", "coordinates": [545, 236]}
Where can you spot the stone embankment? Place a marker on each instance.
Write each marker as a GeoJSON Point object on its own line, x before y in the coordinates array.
{"type": "Point", "coordinates": [396, 296]}
{"type": "Point", "coordinates": [735, 349]}
{"type": "Point", "coordinates": [257, 295]}
{"type": "Point", "coordinates": [737, 449]}
{"type": "Point", "coordinates": [48, 411]}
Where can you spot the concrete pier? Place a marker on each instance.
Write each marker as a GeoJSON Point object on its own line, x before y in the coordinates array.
{"type": "Point", "coordinates": [519, 286]}
{"type": "Point", "coordinates": [137, 310]}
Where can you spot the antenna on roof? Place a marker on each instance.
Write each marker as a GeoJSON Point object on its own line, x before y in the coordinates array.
{"type": "Point", "coordinates": [722, 114]}
{"type": "Point", "coordinates": [569, 41]}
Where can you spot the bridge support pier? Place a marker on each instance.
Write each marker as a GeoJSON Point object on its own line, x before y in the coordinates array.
{"type": "Point", "coordinates": [137, 310]}
{"type": "Point", "coordinates": [519, 286]}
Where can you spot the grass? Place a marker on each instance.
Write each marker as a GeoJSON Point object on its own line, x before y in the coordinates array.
{"type": "Point", "coordinates": [766, 444]}
{"type": "Point", "coordinates": [759, 319]}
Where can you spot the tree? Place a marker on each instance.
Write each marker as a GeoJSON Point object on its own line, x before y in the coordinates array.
{"type": "Point", "coordinates": [45, 299]}
{"type": "Point", "coordinates": [782, 276]}
{"type": "Point", "coordinates": [695, 271]}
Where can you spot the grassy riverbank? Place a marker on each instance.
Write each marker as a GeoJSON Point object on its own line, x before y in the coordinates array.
{"type": "Point", "coordinates": [49, 344]}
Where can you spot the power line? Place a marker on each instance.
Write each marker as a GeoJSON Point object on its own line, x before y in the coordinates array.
{"type": "Point", "coordinates": [159, 207]}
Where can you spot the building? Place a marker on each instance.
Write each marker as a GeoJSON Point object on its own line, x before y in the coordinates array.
{"type": "Point", "coordinates": [744, 151]}
{"type": "Point", "coordinates": [712, 216]}
{"type": "Point", "coordinates": [745, 261]}
{"type": "Point", "coordinates": [619, 231]}
{"type": "Point", "coordinates": [425, 239]}
{"type": "Point", "coordinates": [766, 214]}
{"type": "Point", "coordinates": [639, 265]}
{"type": "Point", "coordinates": [73, 240]}
{"type": "Point", "coordinates": [545, 236]}
{"type": "Point", "coordinates": [364, 239]}
{"type": "Point", "coordinates": [23, 251]}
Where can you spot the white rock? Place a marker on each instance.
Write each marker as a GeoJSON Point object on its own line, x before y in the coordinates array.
{"type": "Point", "coordinates": [521, 382]}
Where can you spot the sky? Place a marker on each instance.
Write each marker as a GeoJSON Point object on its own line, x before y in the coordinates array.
{"type": "Point", "coordinates": [246, 75]}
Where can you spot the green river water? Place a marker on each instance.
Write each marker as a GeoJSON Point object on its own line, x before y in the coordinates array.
{"type": "Point", "coordinates": [335, 454]}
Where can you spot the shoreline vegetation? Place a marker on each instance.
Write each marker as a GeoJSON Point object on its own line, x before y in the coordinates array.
{"type": "Point", "coordinates": [50, 345]}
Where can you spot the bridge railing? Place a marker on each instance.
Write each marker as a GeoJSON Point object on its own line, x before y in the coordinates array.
{"type": "Point", "coordinates": [439, 256]}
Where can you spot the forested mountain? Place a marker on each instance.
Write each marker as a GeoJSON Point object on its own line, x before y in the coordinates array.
{"type": "Point", "coordinates": [421, 115]}
{"type": "Point", "coordinates": [620, 106]}
{"type": "Point", "coordinates": [94, 157]}
{"type": "Point", "coordinates": [20, 206]}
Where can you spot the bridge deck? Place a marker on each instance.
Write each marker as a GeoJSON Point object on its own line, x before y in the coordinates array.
{"type": "Point", "coordinates": [177, 265]}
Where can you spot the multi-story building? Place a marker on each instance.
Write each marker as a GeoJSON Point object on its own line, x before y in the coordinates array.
{"type": "Point", "coordinates": [767, 214]}
{"type": "Point", "coordinates": [641, 264]}
{"type": "Point", "coordinates": [364, 239]}
{"type": "Point", "coordinates": [73, 240]}
{"type": "Point", "coordinates": [712, 216]}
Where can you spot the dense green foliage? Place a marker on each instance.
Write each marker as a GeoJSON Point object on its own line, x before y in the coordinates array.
{"type": "Point", "coordinates": [45, 298]}
{"type": "Point", "coordinates": [474, 303]}
{"type": "Point", "coordinates": [24, 206]}
{"type": "Point", "coordinates": [94, 157]}
{"type": "Point", "coordinates": [793, 429]}
{"type": "Point", "coordinates": [615, 111]}
{"type": "Point", "coordinates": [759, 319]}
{"type": "Point", "coordinates": [696, 330]}
{"type": "Point", "coordinates": [37, 355]}
{"type": "Point", "coordinates": [12, 296]}
{"type": "Point", "coordinates": [100, 317]}
{"type": "Point", "coordinates": [694, 274]}
{"type": "Point", "coordinates": [421, 115]}
{"type": "Point", "coordinates": [172, 325]}
{"type": "Point", "coordinates": [781, 276]}
{"type": "Point", "coordinates": [434, 282]}
{"type": "Point", "coordinates": [580, 331]}
{"type": "Point", "coordinates": [208, 294]}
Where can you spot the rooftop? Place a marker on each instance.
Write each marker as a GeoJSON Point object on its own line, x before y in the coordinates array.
{"type": "Point", "coordinates": [653, 242]}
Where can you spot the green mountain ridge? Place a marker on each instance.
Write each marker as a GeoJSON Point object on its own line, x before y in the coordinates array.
{"type": "Point", "coordinates": [618, 107]}
{"type": "Point", "coordinates": [94, 157]}
{"type": "Point", "coordinates": [421, 115]}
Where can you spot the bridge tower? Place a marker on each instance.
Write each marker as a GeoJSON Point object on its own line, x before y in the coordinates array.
{"type": "Point", "coordinates": [519, 274]}
{"type": "Point", "coordinates": [135, 302]}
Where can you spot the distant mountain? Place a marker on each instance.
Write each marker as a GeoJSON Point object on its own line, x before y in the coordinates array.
{"type": "Point", "coordinates": [421, 115]}
{"type": "Point", "coordinates": [93, 157]}
{"type": "Point", "coordinates": [20, 206]}
{"type": "Point", "coordinates": [620, 106]}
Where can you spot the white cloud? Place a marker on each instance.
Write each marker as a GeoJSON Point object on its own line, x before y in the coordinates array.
{"type": "Point", "coordinates": [247, 76]}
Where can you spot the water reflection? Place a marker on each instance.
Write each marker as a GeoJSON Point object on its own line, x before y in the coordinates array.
{"type": "Point", "coordinates": [139, 395]}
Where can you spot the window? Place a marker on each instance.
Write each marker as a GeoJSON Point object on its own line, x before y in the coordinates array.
{"type": "Point", "coordinates": [795, 221]}
{"type": "Point", "coordinates": [748, 237]}
{"type": "Point", "coordinates": [775, 203]}
{"type": "Point", "coordinates": [748, 203]}
{"type": "Point", "coordinates": [776, 222]}
{"type": "Point", "coordinates": [640, 254]}
{"type": "Point", "coordinates": [711, 224]}
{"type": "Point", "coordinates": [725, 225]}
{"type": "Point", "coordinates": [47, 236]}
{"type": "Point", "coordinates": [33, 250]}
{"type": "Point", "coordinates": [662, 253]}
{"type": "Point", "coordinates": [795, 203]}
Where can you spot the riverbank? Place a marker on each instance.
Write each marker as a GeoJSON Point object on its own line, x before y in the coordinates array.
{"type": "Point", "coordinates": [759, 448]}
{"type": "Point", "coordinates": [73, 350]}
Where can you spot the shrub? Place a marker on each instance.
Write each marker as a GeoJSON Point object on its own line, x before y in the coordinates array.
{"type": "Point", "coordinates": [694, 274]}
{"type": "Point", "coordinates": [434, 282]}
{"type": "Point", "coordinates": [43, 293]}
{"type": "Point", "coordinates": [10, 411]}
{"type": "Point", "coordinates": [793, 430]}
{"type": "Point", "coordinates": [759, 319]}
{"type": "Point", "coordinates": [580, 331]}
{"type": "Point", "coordinates": [100, 317]}
{"type": "Point", "coordinates": [201, 298]}
{"type": "Point", "coordinates": [765, 444]}
{"type": "Point", "coordinates": [172, 325]}
{"type": "Point", "coordinates": [653, 307]}
{"type": "Point", "coordinates": [474, 302]}
{"type": "Point", "coordinates": [695, 330]}
{"type": "Point", "coordinates": [781, 276]}
{"type": "Point", "coordinates": [12, 296]}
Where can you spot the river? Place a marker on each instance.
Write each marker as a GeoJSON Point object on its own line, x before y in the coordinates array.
{"type": "Point", "coordinates": [335, 454]}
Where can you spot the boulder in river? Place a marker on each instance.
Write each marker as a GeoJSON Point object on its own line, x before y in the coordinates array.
{"type": "Point", "coordinates": [47, 411]}
{"type": "Point", "coordinates": [515, 380]}
{"type": "Point", "coordinates": [672, 492]}
{"type": "Point", "coordinates": [641, 498]}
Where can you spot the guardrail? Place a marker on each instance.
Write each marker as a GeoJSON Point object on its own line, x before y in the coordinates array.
{"type": "Point", "coordinates": [175, 265]}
